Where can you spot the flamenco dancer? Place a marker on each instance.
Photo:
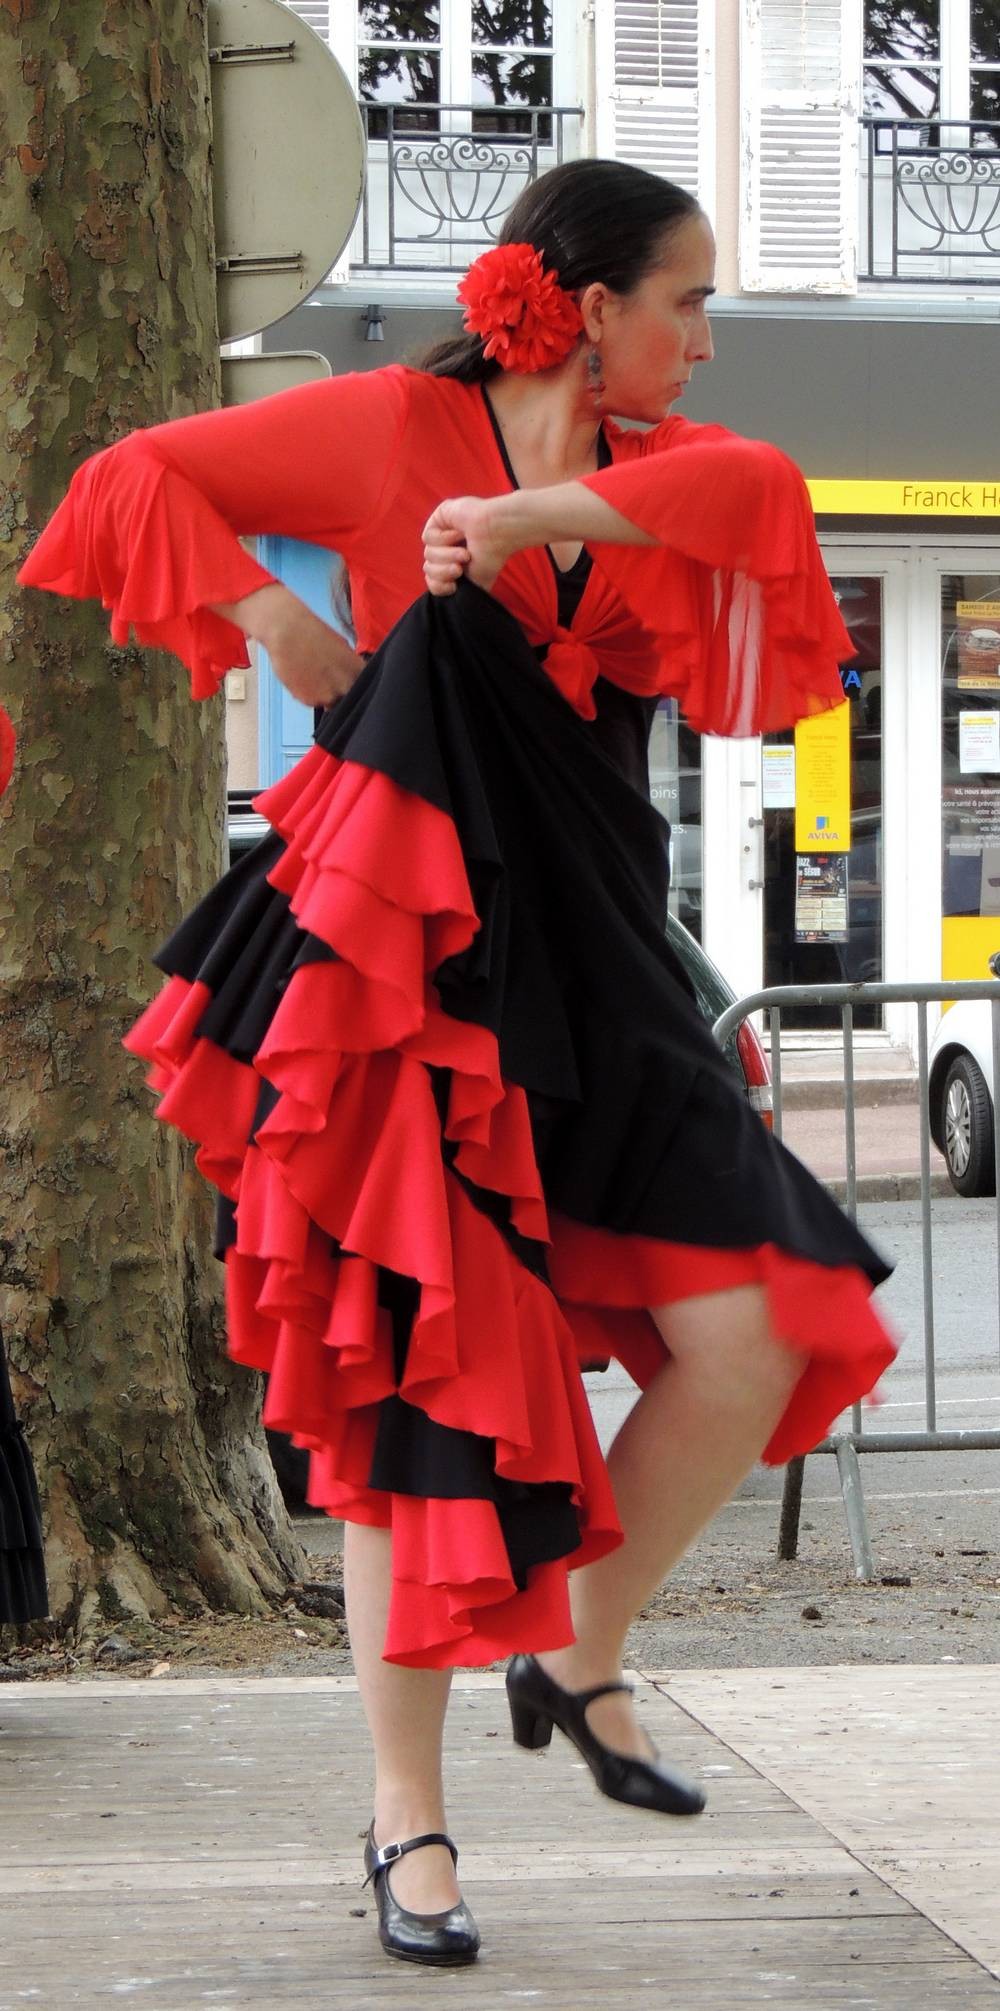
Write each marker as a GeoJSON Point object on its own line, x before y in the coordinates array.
{"type": "Point", "coordinates": [468, 1129]}
{"type": "Point", "coordinates": [23, 1591]}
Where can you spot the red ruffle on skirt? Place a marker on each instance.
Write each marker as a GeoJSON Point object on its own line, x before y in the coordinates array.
{"type": "Point", "coordinates": [346, 1175]}
{"type": "Point", "coordinates": [352, 1152]}
{"type": "Point", "coordinates": [607, 1282]}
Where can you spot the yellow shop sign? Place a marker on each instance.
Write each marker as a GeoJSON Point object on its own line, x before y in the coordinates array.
{"type": "Point", "coordinates": [823, 781]}
{"type": "Point", "coordinates": [930, 497]}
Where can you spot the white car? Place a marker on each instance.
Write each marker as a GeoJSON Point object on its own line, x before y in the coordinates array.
{"type": "Point", "coordinates": [961, 1093]}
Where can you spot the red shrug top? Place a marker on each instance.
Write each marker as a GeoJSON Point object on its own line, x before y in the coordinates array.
{"type": "Point", "coordinates": [731, 612]}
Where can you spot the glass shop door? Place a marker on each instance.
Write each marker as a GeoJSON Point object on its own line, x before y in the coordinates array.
{"type": "Point", "coordinates": [791, 902]}
{"type": "Point", "coordinates": [822, 827]}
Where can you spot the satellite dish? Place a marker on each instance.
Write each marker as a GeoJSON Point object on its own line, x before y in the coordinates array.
{"type": "Point", "coordinates": [246, 378]}
{"type": "Point", "coordinates": [289, 161]}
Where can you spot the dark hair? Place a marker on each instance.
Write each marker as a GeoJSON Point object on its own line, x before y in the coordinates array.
{"type": "Point", "coordinates": [590, 220]}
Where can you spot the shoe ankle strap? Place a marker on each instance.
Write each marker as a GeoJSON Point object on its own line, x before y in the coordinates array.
{"type": "Point", "coordinates": [388, 1853]}
{"type": "Point", "coordinates": [585, 1697]}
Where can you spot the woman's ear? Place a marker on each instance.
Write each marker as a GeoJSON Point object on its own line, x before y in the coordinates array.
{"type": "Point", "coordinates": [593, 302]}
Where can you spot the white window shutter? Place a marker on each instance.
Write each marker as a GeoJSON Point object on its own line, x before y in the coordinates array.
{"type": "Point", "coordinates": [657, 105]}
{"type": "Point", "coordinates": [800, 82]}
{"type": "Point", "coordinates": [337, 22]}
{"type": "Point", "coordinates": [316, 14]}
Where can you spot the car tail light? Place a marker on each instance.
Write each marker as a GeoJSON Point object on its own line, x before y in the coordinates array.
{"type": "Point", "coordinates": [756, 1071]}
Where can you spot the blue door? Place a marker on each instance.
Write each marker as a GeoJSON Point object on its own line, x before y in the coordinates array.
{"type": "Point", "coordinates": [285, 726]}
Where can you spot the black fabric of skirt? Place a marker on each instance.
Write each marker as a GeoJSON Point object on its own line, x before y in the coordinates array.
{"type": "Point", "coordinates": [23, 1593]}
{"type": "Point", "coordinates": [639, 1124]}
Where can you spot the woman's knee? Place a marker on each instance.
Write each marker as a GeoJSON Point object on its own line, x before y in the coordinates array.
{"type": "Point", "coordinates": [730, 1334]}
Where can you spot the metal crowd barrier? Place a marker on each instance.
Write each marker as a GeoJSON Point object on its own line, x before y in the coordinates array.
{"type": "Point", "coordinates": [846, 1445]}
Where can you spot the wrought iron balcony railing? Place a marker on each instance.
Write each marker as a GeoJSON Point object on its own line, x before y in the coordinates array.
{"type": "Point", "coordinates": [930, 194]}
{"type": "Point", "coordinates": [441, 178]}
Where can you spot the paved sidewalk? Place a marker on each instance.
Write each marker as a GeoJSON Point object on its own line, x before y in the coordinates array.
{"type": "Point", "coordinates": [887, 1141]}
{"type": "Point", "coordinates": [813, 1077]}
{"type": "Point", "coordinates": [887, 1121]}
{"type": "Point", "coordinates": [197, 1842]}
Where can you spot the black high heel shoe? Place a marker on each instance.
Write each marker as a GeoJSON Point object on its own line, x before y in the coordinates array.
{"type": "Point", "coordinates": [537, 1703]}
{"type": "Point", "coordinates": [444, 1939]}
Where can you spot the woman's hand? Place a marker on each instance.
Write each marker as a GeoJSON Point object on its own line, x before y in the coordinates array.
{"type": "Point", "coordinates": [466, 535]}
{"type": "Point", "coordinates": [476, 535]}
{"type": "Point", "coordinates": [307, 656]}
{"type": "Point", "coordinates": [312, 661]}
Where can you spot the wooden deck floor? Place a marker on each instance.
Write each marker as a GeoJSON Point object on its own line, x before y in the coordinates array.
{"type": "Point", "coordinates": [194, 1843]}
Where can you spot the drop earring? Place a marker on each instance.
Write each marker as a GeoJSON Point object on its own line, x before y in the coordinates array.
{"type": "Point", "coordinates": [595, 374]}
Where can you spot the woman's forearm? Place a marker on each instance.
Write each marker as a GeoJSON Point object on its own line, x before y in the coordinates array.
{"type": "Point", "coordinates": [567, 510]}
{"type": "Point", "coordinates": [306, 652]}
{"type": "Point", "coordinates": [278, 619]}
{"type": "Point", "coordinates": [264, 613]}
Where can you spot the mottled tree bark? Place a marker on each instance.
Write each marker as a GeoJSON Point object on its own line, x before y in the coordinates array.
{"type": "Point", "coordinates": [158, 1488]}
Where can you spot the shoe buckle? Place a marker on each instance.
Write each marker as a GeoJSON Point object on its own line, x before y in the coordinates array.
{"type": "Point", "coordinates": [389, 1852]}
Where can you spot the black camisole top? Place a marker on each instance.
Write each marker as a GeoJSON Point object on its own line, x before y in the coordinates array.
{"type": "Point", "coordinates": [624, 721]}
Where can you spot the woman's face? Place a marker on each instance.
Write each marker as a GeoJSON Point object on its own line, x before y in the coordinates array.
{"type": "Point", "coordinates": [651, 339]}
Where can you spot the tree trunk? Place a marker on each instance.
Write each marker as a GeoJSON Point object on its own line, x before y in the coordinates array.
{"type": "Point", "coordinates": [158, 1486]}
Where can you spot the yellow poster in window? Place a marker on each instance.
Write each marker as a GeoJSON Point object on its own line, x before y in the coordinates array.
{"type": "Point", "coordinates": [977, 636]}
{"type": "Point", "coordinates": [823, 781]}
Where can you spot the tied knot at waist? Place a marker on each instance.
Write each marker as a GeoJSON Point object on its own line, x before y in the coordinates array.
{"type": "Point", "coordinates": [574, 669]}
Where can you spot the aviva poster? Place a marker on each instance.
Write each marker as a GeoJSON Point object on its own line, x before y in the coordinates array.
{"type": "Point", "coordinates": [823, 781]}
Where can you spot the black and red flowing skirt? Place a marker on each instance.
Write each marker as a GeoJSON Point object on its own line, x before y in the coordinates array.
{"type": "Point", "coordinates": [467, 1126]}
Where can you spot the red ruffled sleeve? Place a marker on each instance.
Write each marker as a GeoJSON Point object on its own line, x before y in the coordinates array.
{"type": "Point", "coordinates": [151, 527]}
{"type": "Point", "coordinates": [734, 592]}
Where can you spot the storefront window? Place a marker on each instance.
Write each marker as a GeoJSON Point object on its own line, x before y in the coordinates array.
{"type": "Point", "coordinates": [823, 910]}
{"type": "Point", "coordinates": [970, 771]}
{"type": "Point", "coordinates": [675, 787]}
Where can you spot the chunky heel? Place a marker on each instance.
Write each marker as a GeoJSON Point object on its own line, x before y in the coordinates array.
{"type": "Point", "coordinates": [532, 1728]}
{"type": "Point", "coordinates": [537, 1703]}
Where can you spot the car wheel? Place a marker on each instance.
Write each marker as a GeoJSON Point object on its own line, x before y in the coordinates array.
{"type": "Point", "coordinates": [967, 1128]}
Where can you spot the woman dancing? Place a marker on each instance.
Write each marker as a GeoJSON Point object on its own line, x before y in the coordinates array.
{"type": "Point", "coordinates": [468, 1128]}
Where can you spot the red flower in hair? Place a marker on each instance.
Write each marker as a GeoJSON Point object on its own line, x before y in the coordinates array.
{"type": "Point", "coordinates": [6, 750]}
{"type": "Point", "coordinates": [528, 320]}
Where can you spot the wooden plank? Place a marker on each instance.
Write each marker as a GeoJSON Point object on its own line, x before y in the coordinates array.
{"type": "Point", "coordinates": [189, 1844]}
{"type": "Point", "coordinates": [902, 1765]}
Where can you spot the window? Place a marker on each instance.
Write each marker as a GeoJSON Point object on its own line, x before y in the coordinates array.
{"type": "Point", "coordinates": [931, 176]}
{"type": "Point", "coordinates": [823, 911]}
{"type": "Point", "coordinates": [511, 60]}
{"type": "Point", "coordinates": [935, 61]}
{"type": "Point", "coordinates": [424, 54]}
{"type": "Point", "coordinates": [399, 62]}
{"type": "Point", "coordinates": [465, 102]}
{"type": "Point", "coordinates": [675, 790]}
{"type": "Point", "coordinates": [984, 61]}
{"type": "Point", "coordinates": [903, 59]}
{"type": "Point", "coordinates": [970, 764]}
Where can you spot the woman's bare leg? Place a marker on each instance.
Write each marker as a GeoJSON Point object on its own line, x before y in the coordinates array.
{"type": "Point", "coordinates": [689, 1440]}
{"type": "Point", "coordinates": [405, 1709]}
